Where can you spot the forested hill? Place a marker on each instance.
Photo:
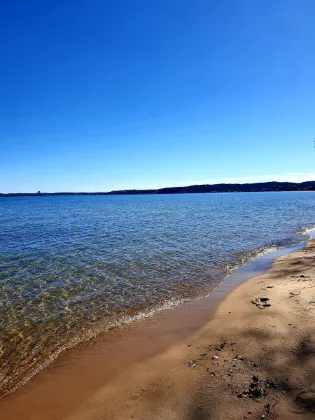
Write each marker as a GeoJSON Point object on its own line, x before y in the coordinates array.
{"type": "Point", "coordinates": [215, 188]}
{"type": "Point", "coordinates": [223, 188]}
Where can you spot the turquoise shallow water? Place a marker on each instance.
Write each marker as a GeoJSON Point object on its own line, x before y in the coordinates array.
{"type": "Point", "coordinates": [71, 267]}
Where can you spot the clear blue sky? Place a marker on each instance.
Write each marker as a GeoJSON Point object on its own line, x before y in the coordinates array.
{"type": "Point", "coordinates": [100, 95]}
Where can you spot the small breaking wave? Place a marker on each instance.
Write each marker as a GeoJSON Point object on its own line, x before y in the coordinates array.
{"type": "Point", "coordinates": [308, 231]}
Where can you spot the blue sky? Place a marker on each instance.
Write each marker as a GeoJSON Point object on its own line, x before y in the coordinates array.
{"type": "Point", "coordinates": [99, 95]}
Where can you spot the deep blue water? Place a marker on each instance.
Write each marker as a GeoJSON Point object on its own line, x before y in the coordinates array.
{"type": "Point", "coordinates": [71, 266]}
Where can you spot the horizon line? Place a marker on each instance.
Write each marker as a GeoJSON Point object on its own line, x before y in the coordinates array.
{"type": "Point", "coordinates": [38, 193]}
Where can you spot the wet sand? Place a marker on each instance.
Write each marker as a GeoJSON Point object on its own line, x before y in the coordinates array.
{"type": "Point", "coordinates": [245, 362]}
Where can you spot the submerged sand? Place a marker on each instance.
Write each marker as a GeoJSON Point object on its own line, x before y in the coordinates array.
{"type": "Point", "coordinates": [248, 361]}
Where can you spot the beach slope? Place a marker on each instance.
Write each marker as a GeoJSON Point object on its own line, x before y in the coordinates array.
{"type": "Point", "coordinates": [254, 359]}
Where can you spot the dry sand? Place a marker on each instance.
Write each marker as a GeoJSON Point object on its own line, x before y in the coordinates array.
{"type": "Point", "coordinates": [248, 362]}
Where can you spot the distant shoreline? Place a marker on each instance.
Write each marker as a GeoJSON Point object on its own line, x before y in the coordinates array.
{"type": "Point", "coordinates": [191, 189]}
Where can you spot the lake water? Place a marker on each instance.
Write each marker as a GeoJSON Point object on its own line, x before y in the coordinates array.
{"type": "Point", "coordinates": [73, 266]}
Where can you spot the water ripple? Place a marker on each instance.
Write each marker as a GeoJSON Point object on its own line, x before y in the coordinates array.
{"type": "Point", "coordinates": [71, 267]}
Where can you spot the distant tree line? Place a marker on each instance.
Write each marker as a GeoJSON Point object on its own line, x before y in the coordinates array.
{"type": "Point", "coordinates": [192, 189]}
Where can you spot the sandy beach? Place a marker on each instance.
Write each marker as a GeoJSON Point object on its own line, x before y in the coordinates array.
{"type": "Point", "coordinates": [253, 358]}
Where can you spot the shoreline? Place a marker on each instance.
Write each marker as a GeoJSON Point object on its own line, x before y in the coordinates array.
{"type": "Point", "coordinates": [256, 262]}
{"type": "Point", "coordinates": [21, 403]}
